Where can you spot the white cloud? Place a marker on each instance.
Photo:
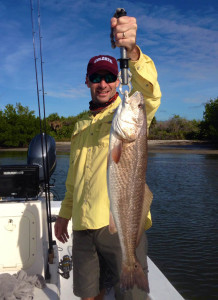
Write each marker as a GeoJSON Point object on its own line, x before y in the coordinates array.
{"type": "Point", "coordinates": [14, 60]}
{"type": "Point", "coordinates": [181, 37]}
{"type": "Point", "coordinates": [71, 93]}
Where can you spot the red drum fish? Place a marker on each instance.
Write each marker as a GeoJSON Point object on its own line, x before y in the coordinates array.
{"type": "Point", "coordinates": [130, 197]}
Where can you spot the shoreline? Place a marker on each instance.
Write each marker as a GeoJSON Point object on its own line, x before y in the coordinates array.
{"type": "Point", "coordinates": [154, 146]}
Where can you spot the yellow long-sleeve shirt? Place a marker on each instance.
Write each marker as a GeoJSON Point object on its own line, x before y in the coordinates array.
{"type": "Point", "coordinates": [86, 199]}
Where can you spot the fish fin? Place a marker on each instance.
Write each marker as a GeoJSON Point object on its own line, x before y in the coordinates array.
{"type": "Point", "coordinates": [148, 196]}
{"type": "Point", "coordinates": [134, 275]}
{"type": "Point", "coordinates": [112, 226]}
{"type": "Point", "coordinates": [116, 151]}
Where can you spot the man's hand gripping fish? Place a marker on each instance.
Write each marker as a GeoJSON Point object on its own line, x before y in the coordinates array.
{"type": "Point", "coordinates": [130, 197]}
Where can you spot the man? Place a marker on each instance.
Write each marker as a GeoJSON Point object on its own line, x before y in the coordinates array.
{"type": "Point", "coordinates": [86, 199]}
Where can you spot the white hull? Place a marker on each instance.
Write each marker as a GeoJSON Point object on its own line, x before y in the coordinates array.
{"type": "Point", "coordinates": [58, 287]}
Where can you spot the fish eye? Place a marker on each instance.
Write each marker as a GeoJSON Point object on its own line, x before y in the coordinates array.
{"type": "Point", "coordinates": [140, 106]}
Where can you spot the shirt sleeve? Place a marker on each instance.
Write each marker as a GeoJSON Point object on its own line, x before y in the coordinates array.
{"type": "Point", "coordinates": [67, 203]}
{"type": "Point", "coordinates": [144, 80]}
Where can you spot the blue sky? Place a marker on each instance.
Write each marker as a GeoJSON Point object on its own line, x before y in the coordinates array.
{"type": "Point", "coordinates": [180, 36]}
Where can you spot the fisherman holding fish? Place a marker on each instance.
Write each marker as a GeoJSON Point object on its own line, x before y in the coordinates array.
{"type": "Point", "coordinates": [98, 172]}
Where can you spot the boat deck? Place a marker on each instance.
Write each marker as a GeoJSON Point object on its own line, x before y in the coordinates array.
{"type": "Point", "coordinates": [160, 287]}
{"type": "Point", "coordinates": [23, 227]}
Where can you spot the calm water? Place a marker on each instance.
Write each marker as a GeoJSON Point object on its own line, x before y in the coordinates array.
{"type": "Point", "coordinates": [183, 241]}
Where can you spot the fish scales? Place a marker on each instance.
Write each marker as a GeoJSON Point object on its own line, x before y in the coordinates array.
{"type": "Point", "coordinates": [123, 175]}
{"type": "Point", "coordinates": [129, 200]}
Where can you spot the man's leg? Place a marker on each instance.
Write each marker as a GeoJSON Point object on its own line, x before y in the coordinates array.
{"type": "Point", "coordinates": [109, 247]}
{"type": "Point", "coordinates": [109, 251]}
{"type": "Point", "coordinates": [85, 265]}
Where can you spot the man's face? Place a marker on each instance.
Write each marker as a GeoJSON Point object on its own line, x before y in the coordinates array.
{"type": "Point", "coordinates": [101, 92]}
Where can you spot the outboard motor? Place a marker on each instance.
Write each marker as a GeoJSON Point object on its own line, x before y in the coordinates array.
{"type": "Point", "coordinates": [36, 154]}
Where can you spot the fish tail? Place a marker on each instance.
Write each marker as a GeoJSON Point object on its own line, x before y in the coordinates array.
{"type": "Point", "coordinates": [134, 275]}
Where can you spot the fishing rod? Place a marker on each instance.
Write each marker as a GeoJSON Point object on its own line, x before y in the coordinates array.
{"type": "Point", "coordinates": [43, 126]}
{"type": "Point", "coordinates": [124, 75]}
{"type": "Point", "coordinates": [47, 185]}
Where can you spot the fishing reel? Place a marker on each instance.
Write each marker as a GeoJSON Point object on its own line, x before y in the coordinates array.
{"type": "Point", "coordinates": [65, 265]}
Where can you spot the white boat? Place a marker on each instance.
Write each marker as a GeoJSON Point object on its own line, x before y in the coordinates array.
{"type": "Point", "coordinates": [24, 245]}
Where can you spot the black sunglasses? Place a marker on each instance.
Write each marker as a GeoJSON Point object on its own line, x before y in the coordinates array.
{"type": "Point", "coordinates": [97, 78]}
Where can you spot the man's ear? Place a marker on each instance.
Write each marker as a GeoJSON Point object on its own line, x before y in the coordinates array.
{"type": "Point", "coordinates": [87, 82]}
{"type": "Point", "coordinates": [117, 83]}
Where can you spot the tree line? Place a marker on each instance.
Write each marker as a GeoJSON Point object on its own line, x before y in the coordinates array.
{"type": "Point", "coordinates": [18, 125]}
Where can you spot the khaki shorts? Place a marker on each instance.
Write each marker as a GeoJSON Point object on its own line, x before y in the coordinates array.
{"type": "Point", "coordinates": [97, 263]}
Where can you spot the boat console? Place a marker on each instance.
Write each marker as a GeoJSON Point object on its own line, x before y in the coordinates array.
{"type": "Point", "coordinates": [23, 209]}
